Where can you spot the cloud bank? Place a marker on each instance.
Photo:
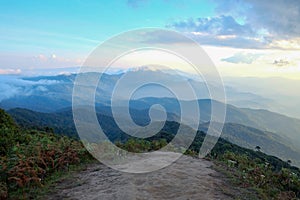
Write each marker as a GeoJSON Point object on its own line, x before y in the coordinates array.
{"type": "Point", "coordinates": [11, 86]}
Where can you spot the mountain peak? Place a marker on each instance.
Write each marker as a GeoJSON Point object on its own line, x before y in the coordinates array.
{"type": "Point", "coordinates": [145, 68]}
{"type": "Point", "coordinates": [161, 69]}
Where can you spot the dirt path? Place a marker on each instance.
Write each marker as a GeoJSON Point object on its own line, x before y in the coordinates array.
{"type": "Point", "coordinates": [187, 178]}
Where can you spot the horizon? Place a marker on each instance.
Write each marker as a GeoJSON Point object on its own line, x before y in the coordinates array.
{"type": "Point", "coordinates": [75, 70]}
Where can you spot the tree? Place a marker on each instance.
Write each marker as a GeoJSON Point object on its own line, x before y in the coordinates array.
{"type": "Point", "coordinates": [258, 148]}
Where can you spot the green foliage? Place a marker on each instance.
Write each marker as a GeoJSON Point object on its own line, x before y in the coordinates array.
{"type": "Point", "coordinates": [271, 177]}
{"type": "Point", "coordinates": [9, 133]}
{"type": "Point", "coordinates": [140, 145]}
{"type": "Point", "coordinates": [28, 157]}
{"type": "Point", "coordinates": [6, 121]}
{"type": "Point", "coordinates": [270, 182]}
{"type": "Point", "coordinates": [60, 123]}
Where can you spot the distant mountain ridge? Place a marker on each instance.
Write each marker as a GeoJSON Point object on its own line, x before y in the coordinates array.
{"type": "Point", "coordinates": [51, 93]}
{"type": "Point", "coordinates": [286, 127]}
{"type": "Point", "coordinates": [62, 122]}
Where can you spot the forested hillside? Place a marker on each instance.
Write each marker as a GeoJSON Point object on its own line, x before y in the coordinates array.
{"type": "Point", "coordinates": [30, 159]}
{"type": "Point", "coordinates": [245, 136]}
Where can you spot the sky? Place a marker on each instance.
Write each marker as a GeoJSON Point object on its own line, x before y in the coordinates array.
{"type": "Point", "coordinates": [253, 38]}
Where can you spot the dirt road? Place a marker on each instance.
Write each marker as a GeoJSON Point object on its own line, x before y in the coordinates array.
{"type": "Point", "coordinates": [187, 178]}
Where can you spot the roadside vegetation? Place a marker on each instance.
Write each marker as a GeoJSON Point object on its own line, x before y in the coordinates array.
{"type": "Point", "coordinates": [31, 159]}
{"type": "Point", "coordinates": [266, 176]}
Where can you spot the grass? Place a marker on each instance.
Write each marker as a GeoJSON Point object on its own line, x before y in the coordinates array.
{"type": "Point", "coordinates": [257, 181]}
{"type": "Point", "coordinates": [231, 176]}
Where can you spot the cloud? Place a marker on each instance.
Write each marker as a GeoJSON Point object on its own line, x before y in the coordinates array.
{"type": "Point", "coordinates": [10, 71]}
{"type": "Point", "coordinates": [221, 25]}
{"type": "Point", "coordinates": [220, 31]}
{"type": "Point", "coordinates": [44, 58]}
{"type": "Point", "coordinates": [279, 17]}
{"type": "Point", "coordinates": [247, 24]}
{"type": "Point", "coordinates": [291, 44]}
{"type": "Point", "coordinates": [15, 63]}
{"type": "Point", "coordinates": [11, 86]}
{"type": "Point", "coordinates": [245, 58]}
{"type": "Point", "coordinates": [281, 63]}
{"type": "Point", "coordinates": [41, 88]}
{"type": "Point", "coordinates": [276, 20]}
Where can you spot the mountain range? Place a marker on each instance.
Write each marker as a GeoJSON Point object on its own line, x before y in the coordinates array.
{"type": "Point", "coordinates": [46, 101]}
{"type": "Point", "coordinates": [51, 93]}
{"type": "Point", "coordinates": [245, 136]}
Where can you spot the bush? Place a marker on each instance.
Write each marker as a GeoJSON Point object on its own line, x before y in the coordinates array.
{"type": "Point", "coordinates": [29, 157]}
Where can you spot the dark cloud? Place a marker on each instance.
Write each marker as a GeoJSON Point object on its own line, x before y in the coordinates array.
{"type": "Point", "coordinates": [220, 31]}
{"type": "Point", "coordinates": [222, 25]}
{"type": "Point", "coordinates": [160, 37]}
{"type": "Point", "coordinates": [278, 17]}
{"type": "Point", "coordinates": [247, 58]}
{"type": "Point", "coordinates": [245, 24]}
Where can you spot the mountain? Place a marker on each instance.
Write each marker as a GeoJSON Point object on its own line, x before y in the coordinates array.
{"type": "Point", "coordinates": [249, 137]}
{"type": "Point", "coordinates": [283, 92]}
{"type": "Point", "coordinates": [51, 93]}
{"type": "Point", "coordinates": [286, 128]}
{"type": "Point", "coordinates": [62, 123]}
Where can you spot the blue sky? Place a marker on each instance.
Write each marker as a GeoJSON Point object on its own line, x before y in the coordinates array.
{"type": "Point", "coordinates": [252, 37]}
{"type": "Point", "coordinates": [63, 24]}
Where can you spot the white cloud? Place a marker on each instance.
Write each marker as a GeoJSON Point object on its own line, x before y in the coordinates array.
{"type": "Point", "coordinates": [10, 71]}
{"type": "Point", "coordinates": [292, 44]}
{"type": "Point", "coordinates": [14, 85]}
{"type": "Point", "coordinates": [242, 57]}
